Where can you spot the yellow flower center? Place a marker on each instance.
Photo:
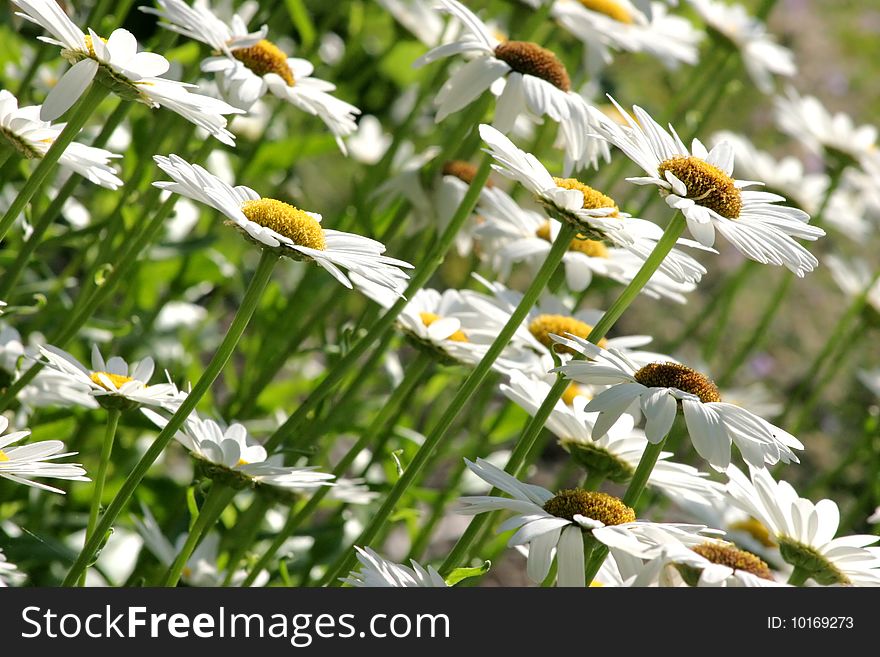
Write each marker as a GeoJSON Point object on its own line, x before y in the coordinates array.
{"type": "Point", "coordinates": [430, 318]}
{"type": "Point", "coordinates": [706, 184]}
{"type": "Point", "coordinates": [593, 200]}
{"type": "Point", "coordinates": [610, 8]}
{"type": "Point", "coordinates": [605, 508]}
{"type": "Point", "coordinates": [265, 57]}
{"type": "Point", "coordinates": [673, 375]}
{"type": "Point", "coordinates": [543, 325]}
{"type": "Point", "coordinates": [572, 392]}
{"type": "Point", "coordinates": [3, 456]}
{"type": "Point", "coordinates": [464, 171]}
{"type": "Point", "coordinates": [91, 46]}
{"type": "Point", "coordinates": [116, 379]}
{"type": "Point", "coordinates": [732, 557]}
{"type": "Point", "coordinates": [296, 225]}
{"type": "Point", "coordinates": [531, 59]}
{"type": "Point", "coordinates": [241, 462]}
{"type": "Point", "coordinates": [580, 244]}
{"type": "Point", "coordinates": [756, 530]}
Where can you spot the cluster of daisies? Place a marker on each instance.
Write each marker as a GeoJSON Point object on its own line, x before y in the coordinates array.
{"type": "Point", "coordinates": [545, 245]}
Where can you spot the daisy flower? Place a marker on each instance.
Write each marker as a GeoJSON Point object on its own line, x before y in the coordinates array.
{"type": "Point", "coordinates": [699, 183]}
{"type": "Point", "coordinates": [369, 143]}
{"type": "Point", "coordinates": [616, 453]}
{"type": "Point", "coordinates": [509, 234]}
{"type": "Point", "coordinates": [535, 84]}
{"type": "Point", "coordinates": [856, 277]}
{"type": "Point", "coordinates": [114, 383]}
{"type": "Point", "coordinates": [248, 66]}
{"type": "Point", "coordinates": [594, 214]}
{"type": "Point", "coordinates": [713, 563]}
{"type": "Point", "coordinates": [116, 63]}
{"type": "Point", "coordinates": [547, 522]}
{"type": "Point", "coordinates": [10, 575]}
{"type": "Point", "coordinates": [785, 176]}
{"type": "Point", "coordinates": [378, 572]}
{"type": "Point", "coordinates": [806, 531]}
{"type": "Point", "coordinates": [420, 18]}
{"type": "Point", "coordinates": [230, 454]}
{"type": "Point", "coordinates": [662, 388]}
{"type": "Point", "coordinates": [807, 120]}
{"type": "Point", "coordinates": [31, 137]}
{"type": "Point", "coordinates": [444, 323]}
{"type": "Point", "coordinates": [292, 232]}
{"type": "Point", "coordinates": [761, 55]}
{"type": "Point", "coordinates": [24, 463]}
{"type": "Point", "coordinates": [606, 25]}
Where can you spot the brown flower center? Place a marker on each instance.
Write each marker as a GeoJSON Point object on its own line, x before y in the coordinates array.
{"type": "Point", "coordinates": [543, 325]}
{"type": "Point", "coordinates": [610, 8]}
{"type": "Point", "coordinates": [295, 224]}
{"type": "Point", "coordinates": [116, 379]}
{"type": "Point", "coordinates": [531, 59]}
{"type": "Point", "coordinates": [673, 375]}
{"type": "Point", "coordinates": [599, 506]}
{"type": "Point", "coordinates": [430, 318]}
{"type": "Point", "coordinates": [580, 244]}
{"type": "Point", "coordinates": [265, 57]}
{"type": "Point", "coordinates": [732, 557]}
{"type": "Point", "coordinates": [464, 171]}
{"type": "Point", "coordinates": [706, 184]}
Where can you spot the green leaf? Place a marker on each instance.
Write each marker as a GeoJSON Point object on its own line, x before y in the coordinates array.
{"type": "Point", "coordinates": [465, 573]}
{"type": "Point", "coordinates": [301, 21]}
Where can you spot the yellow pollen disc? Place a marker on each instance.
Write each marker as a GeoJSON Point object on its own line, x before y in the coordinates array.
{"type": "Point", "coordinates": [591, 248]}
{"type": "Point", "coordinates": [265, 57]}
{"type": "Point", "coordinates": [91, 46]}
{"type": "Point", "coordinates": [605, 508]}
{"type": "Point", "coordinates": [430, 318]}
{"type": "Point", "coordinates": [240, 463]}
{"type": "Point", "coordinates": [673, 375]}
{"type": "Point", "coordinates": [296, 225]}
{"type": "Point", "coordinates": [531, 59]}
{"type": "Point", "coordinates": [3, 456]}
{"type": "Point", "coordinates": [186, 572]}
{"type": "Point", "coordinates": [756, 530]}
{"type": "Point", "coordinates": [116, 379]}
{"type": "Point", "coordinates": [593, 200]}
{"type": "Point", "coordinates": [596, 584]}
{"type": "Point", "coordinates": [610, 8]}
{"type": "Point", "coordinates": [543, 325]}
{"type": "Point", "coordinates": [706, 184]}
{"type": "Point", "coordinates": [572, 392]}
{"type": "Point", "coordinates": [732, 557]}
{"type": "Point", "coordinates": [464, 171]}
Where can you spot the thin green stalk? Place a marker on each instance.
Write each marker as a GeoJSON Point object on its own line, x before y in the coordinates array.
{"type": "Point", "coordinates": [467, 388]}
{"type": "Point", "coordinates": [5, 154]}
{"type": "Point", "coordinates": [260, 279]}
{"type": "Point", "coordinates": [593, 480]}
{"type": "Point", "coordinates": [82, 112]}
{"type": "Point", "coordinates": [246, 528]}
{"type": "Point", "coordinates": [100, 477]}
{"type": "Point", "coordinates": [533, 428]}
{"type": "Point", "coordinates": [218, 498]}
{"type": "Point", "coordinates": [412, 378]}
{"type": "Point", "coordinates": [384, 323]}
{"type": "Point", "coordinates": [630, 498]}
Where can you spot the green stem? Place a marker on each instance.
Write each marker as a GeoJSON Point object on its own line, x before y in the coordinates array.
{"type": "Point", "coordinates": [5, 154]}
{"type": "Point", "coordinates": [440, 430]}
{"type": "Point", "coordinates": [798, 576]}
{"type": "Point", "coordinates": [249, 303]}
{"type": "Point", "coordinates": [81, 113]}
{"type": "Point", "coordinates": [246, 528]}
{"type": "Point", "coordinates": [100, 477]}
{"type": "Point", "coordinates": [414, 375]}
{"type": "Point", "coordinates": [630, 498]}
{"type": "Point", "coordinates": [593, 480]}
{"type": "Point", "coordinates": [533, 429]}
{"type": "Point", "coordinates": [216, 501]}
{"type": "Point", "coordinates": [420, 277]}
